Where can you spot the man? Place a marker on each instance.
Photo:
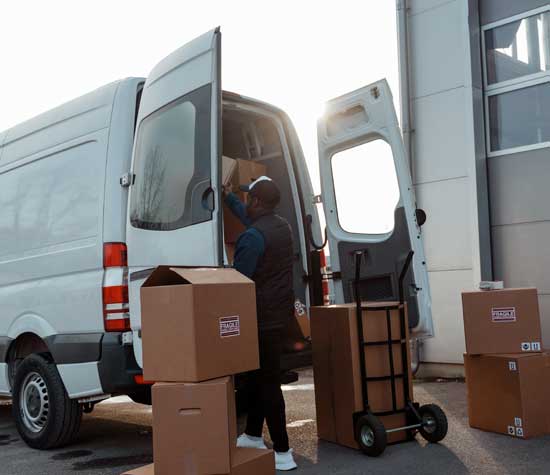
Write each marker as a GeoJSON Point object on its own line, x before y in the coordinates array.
{"type": "Point", "coordinates": [264, 253]}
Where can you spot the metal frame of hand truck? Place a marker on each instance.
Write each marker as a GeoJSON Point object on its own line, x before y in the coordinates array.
{"type": "Point", "coordinates": [411, 409]}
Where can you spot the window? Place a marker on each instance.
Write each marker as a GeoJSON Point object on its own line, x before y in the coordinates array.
{"type": "Point", "coordinates": [172, 165]}
{"type": "Point", "coordinates": [517, 82]}
{"type": "Point", "coordinates": [366, 188]}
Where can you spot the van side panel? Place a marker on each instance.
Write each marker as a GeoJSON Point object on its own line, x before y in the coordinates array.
{"type": "Point", "coordinates": [52, 176]}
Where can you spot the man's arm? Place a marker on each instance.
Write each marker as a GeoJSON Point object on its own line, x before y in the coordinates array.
{"type": "Point", "coordinates": [250, 247]}
{"type": "Point", "coordinates": [237, 208]}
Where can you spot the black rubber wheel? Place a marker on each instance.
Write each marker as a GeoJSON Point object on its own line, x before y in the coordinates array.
{"type": "Point", "coordinates": [44, 415]}
{"type": "Point", "coordinates": [371, 435]}
{"type": "Point", "coordinates": [435, 423]}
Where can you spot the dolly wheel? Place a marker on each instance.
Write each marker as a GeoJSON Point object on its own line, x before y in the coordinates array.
{"type": "Point", "coordinates": [370, 434]}
{"type": "Point", "coordinates": [434, 423]}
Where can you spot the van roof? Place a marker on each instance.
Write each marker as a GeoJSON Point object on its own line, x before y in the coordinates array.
{"type": "Point", "coordinates": [94, 108]}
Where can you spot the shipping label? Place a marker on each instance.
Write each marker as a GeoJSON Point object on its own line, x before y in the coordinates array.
{"type": "Point", "coordinates": [512, 366]}
{"type": "Point", "coordinates": [230, 326]}
{"type": "Point", "coordinates": [503, 314]}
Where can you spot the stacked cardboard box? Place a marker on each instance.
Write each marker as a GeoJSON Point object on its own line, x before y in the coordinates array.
{"type": "Point", "coordinates": [507, 373]}
{"type": "Point", "coordinates": [337, 374]}
{"type": "Point", "coordinates": [237, 172]}
{"type": "Point", "coordinates": [199, 329]}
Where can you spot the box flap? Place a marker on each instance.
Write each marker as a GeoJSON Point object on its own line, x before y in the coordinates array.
{"type": "Point", "coordinates": [229, 165]}
{"type": "Point", "coordinates": [210, 275]}
{"type": "Point", "coordinates": [497, 291]}
{"type": "Point", "coordinates": [175, 275]}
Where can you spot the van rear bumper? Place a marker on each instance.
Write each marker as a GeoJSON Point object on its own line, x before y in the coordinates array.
{"type": "Point", "coordinates": [117, 366]}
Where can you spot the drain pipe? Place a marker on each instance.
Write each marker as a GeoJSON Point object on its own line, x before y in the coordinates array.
{"type": "Point", "coordinates": [404, 78]}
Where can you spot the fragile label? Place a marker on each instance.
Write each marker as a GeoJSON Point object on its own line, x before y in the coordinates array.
{"type": "Point", "coordinates": [512, 366]}
{"type": "Point", "coordinates": [519, 432]}
{"type": "Point", "coordinates": [517, 421]}
{"type": "Point", "coordinates": [535, 346]}
{"type": "Point", "coordinates": [230, 326]}
{"type": "Point", "coordinates": [526, 346]}
{"type": "Point", "coordinates": [503, 314]}
{"type": "Point", "coordinates": [511, 430]}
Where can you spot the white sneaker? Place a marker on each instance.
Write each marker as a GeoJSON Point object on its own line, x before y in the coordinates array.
{"type": "Point", "coordinates": [250, 442]}
{"type": "Point", "coordinates": [285, 461]}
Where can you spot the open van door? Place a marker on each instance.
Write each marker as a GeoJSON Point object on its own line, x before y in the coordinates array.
{"type": "Point", "coordinates": [174, 205]}
{"type": "Point", "coordinates": [369, 203]}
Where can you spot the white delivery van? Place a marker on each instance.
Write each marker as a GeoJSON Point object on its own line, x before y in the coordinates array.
{"type": "Point", "coordinates": [97, 192]}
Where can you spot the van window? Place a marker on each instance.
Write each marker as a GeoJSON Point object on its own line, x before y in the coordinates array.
{"type": "Point", "coordinates": [172, 165]}
{"type": "Point", "coordinates": [366, 188]}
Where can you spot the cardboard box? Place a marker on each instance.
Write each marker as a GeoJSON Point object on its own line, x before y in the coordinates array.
{"type": "Point", "coordinates": [501, 321]}
{"type": "Point", "coordinates": [509, 394]}
{"type": "Point", "coordinates": [236, 172]}
{"type": "Point", "coordinates": [146, 470]}
{"type": "Point", "coordinates": [245, 462]}
{"type": "Point", "coordinates": [230, 251]}
{"type": "Point", "coordinates": [253, 462]}
{"type": "Point", "coordinates": [198, 324]}
{"type": "Point", "coordinates": [300, 313]}
{"type": "Point", "coordinates": [194, 427]}
{"type": "Point", "coordinates": [337, 374]}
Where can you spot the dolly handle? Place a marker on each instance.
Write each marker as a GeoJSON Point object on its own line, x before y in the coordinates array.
{"type": "Point", "coordinates": [402, 275]}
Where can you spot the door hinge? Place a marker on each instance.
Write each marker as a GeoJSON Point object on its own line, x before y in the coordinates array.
{"type": "Point", "coordinates": [127, 180]}
{"type": "Point", "coordinates": [317, 199]}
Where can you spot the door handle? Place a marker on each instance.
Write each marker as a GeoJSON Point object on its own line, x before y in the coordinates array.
{"type": "Point", "coordinates": [207, 200]}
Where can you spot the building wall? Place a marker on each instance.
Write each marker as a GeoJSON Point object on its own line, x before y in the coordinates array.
{"type": "Point", "coordinates": [520, 199]}
{"type": "Point", "coordinates": [448, 161]}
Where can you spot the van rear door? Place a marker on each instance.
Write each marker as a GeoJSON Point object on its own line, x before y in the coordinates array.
{"type": "Point", "coordinates": [174, 203]}
{"type": "Point", "coordinates": [369, 203]}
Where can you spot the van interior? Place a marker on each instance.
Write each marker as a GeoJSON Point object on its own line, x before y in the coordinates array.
{"type": "Point", "coordinates": [252, 134]}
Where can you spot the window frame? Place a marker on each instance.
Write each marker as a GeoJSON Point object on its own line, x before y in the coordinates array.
{"type": "Point", "coordinates": [523, 82]}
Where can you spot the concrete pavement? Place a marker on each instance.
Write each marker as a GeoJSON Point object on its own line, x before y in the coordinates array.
{"type": "Point", "coordinates": [117, 436]}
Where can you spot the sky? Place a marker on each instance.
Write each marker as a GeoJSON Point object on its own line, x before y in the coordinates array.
{"type": "Point", "coordinates": [295, 55]}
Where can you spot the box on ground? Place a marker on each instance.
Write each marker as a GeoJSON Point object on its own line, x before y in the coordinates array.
{"type": "Point", "coordinates": [198, 324]}
{"type": "Point", "coordinates": [245, 462]}
{"type": "Point", "coordinates": [501, 321]}
{"type": "Point", "coordinates": [509, 394]}
{"type": "Point", "coordinates": [146, 470]}
{"type": "Point", "coordinates": [195, 431]}
{"type": "Point", "coordinates": [337, 374]}
{"type": "Point", "coordinates": [236, 172]}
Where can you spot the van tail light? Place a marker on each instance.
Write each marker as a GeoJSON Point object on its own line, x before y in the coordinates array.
{"type": "Point", "coordinates": [116, 308]}
{"type": "Point", "coordinates": [326, 289]}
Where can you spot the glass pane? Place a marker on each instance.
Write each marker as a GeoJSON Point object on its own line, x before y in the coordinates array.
{"type": "Point", "coordinates": [366, 187]}
{"type": "Point", "coordinates": [518, 49]}
{"type": "Point", "coordinates": [520, 117]}
{"type": "Point", "coordinates": [172, 165]}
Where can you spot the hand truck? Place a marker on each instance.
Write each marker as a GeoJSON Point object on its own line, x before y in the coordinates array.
{"type": "Point", "coordinates": [429, 420]}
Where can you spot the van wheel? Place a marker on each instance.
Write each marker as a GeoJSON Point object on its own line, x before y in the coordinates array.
{"type": "Point", "coordinates": [44, 415]}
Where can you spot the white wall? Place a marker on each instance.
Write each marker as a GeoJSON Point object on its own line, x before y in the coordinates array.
{"type": "Point", "coordinates": [445, 167]}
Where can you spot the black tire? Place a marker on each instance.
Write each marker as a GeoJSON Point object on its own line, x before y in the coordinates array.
{"type": "Point", "coordinates": [435, 423]}
{"type": "Point", "coordinates": [44, 415]}
{"type": "Point", "coordinates": [371, 435]}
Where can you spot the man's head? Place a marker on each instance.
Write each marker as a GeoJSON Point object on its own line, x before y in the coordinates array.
{"type": "Point", "coordinates": [263, 195]}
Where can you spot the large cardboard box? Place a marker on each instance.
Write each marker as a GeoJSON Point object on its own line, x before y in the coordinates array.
{"type": "Point", "coordinates": [501, 321]}
{"type": "Point", "coordinates": [195, 431]}
{"type": "Point", "coordinates": [194, 427]}
{"type": "Point", "coordinates": [198, 324]}
{"type": "Point", "coordinates": [237, 172]}
{"type": "Point", "coordinates": [245, 462]}
{"type": "Point", "coordinates": [509, 394]}
{"type": "Point", "coordinates": [337, 374]}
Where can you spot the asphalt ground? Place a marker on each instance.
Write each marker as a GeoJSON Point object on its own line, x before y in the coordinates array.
{"type": "Point", "coordinates": [117, 437]}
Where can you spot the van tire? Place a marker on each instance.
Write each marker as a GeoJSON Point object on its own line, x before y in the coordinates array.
{"type": "Point", "coordinates": [45, 416]}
